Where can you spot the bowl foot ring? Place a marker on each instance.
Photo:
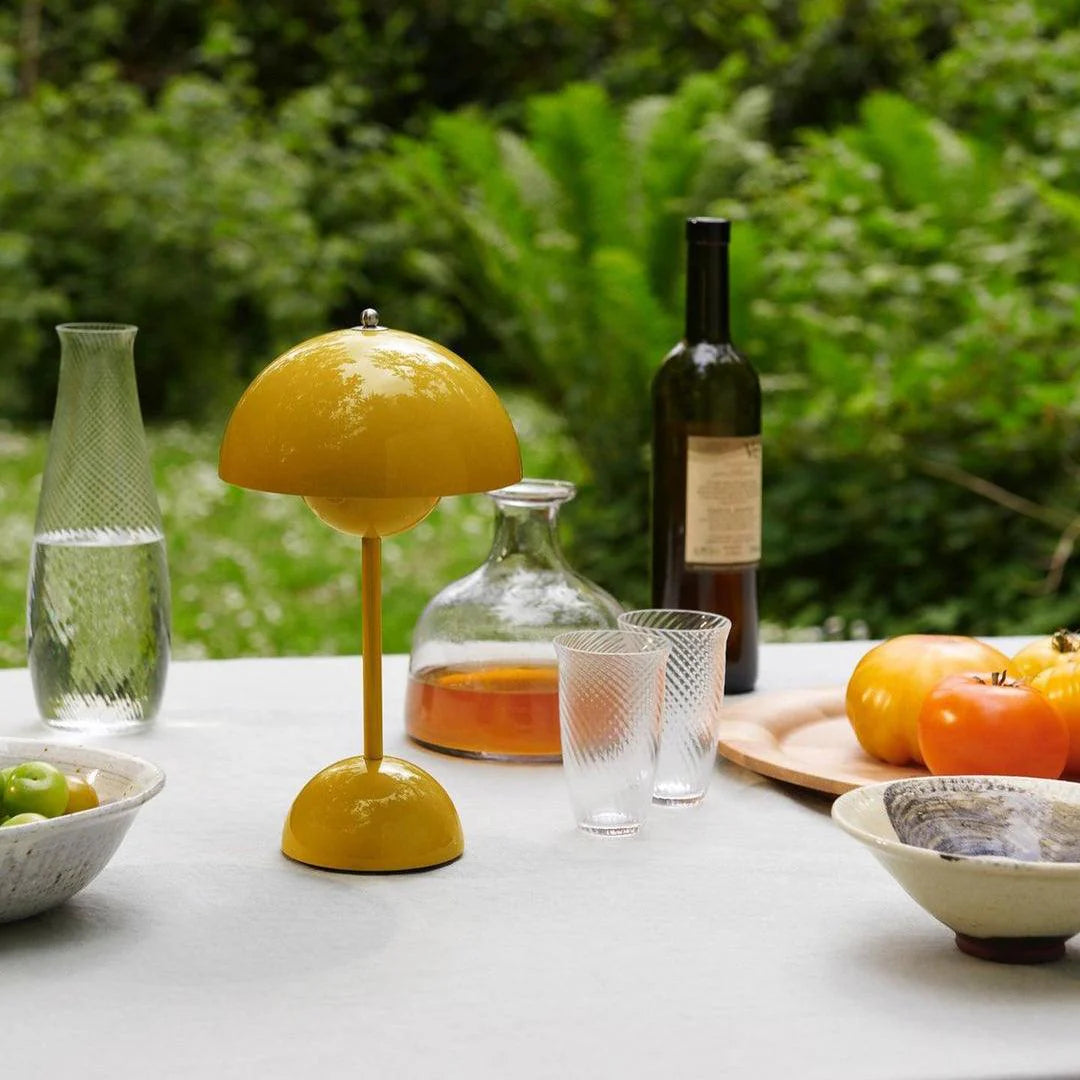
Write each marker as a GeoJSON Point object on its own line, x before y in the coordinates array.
{"type": "Point", "coordinates": [1013, 950]}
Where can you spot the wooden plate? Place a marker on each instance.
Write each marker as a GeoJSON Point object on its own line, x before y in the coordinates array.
{"type": "Point", "coordinates": [803, 737]}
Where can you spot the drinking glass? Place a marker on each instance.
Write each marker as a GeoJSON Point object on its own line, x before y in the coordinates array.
{"type": "Point", "coordinates": [611, 692]}
{"type": "Point", "coordinates": [693, 695]}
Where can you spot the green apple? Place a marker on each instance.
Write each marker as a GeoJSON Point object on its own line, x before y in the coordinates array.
{"type": "Point", "coordinates": [35, 787]}
{"type": "Point", "coordinates": [22, 819]}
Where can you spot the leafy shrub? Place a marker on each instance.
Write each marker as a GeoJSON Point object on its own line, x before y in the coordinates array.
{"type": "Point", "coordinates": [924, 288]}
{"type": "Point", "coordinates": [408, 61]}
{"type": "Point", "coordinates": [181, 218]}
{"type": "Point", "coordinates": [906, 281]}
{"type": "Point", "coordinates": [1012, 79]}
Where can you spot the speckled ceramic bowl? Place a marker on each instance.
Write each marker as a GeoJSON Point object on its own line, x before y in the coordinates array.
{"type": "Point", "coordinates": [996, 859]}
{"type": "Point", "coordinates": [45, 863]}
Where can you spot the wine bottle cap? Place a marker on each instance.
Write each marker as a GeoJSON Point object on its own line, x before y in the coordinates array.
{"type": "Point", "coordinates": [708, 230]}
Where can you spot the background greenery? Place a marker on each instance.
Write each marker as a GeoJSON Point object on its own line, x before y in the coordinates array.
{"type": "Point", "coordinates": [511, 180]}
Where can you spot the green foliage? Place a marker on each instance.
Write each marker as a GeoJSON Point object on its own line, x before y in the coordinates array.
{"type": "Point", "coordinates": [179, 218]}
{"type": "Point", "coordinates": [923, 284]}
{"type": "Point", "coordinates": [407, 61]}
{"type": "Point", "coordinates": [209, 171]}
{"type": "Point", "coordinates": [1013, 79]}
{"type": "Point", "coordinates": [512, 179]}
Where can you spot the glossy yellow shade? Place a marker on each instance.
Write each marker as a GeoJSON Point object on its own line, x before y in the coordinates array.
{"type": "Point", "coordinates": [369, 413]}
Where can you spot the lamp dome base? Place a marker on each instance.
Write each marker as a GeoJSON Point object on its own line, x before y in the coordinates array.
{"type": "Point", "coordinates": [374, 816]}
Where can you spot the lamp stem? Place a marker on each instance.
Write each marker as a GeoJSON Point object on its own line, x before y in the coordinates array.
{"type": "Point", "coordinates": [371, 606]}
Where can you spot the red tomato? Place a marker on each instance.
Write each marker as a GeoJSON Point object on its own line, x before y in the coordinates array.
{"type": "Point", "coordinates": [989, 724]}
{"type": "Point", "coordinates": [1060, 685]}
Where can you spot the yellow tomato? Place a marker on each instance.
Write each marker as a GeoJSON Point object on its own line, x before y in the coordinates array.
{"type": "Point", "coordinates": [1046, 652]}
{"type": "Point", "coordinates": [891, 681]}
{"type": "Point", "coordinates": [1060, 685]}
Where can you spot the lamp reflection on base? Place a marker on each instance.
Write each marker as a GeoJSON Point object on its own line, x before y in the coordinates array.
{"type": "Point", "coordinates": [376, 816]}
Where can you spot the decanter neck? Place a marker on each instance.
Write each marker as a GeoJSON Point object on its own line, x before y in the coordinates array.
{"type": "Point", "coordinates": [528, 532]}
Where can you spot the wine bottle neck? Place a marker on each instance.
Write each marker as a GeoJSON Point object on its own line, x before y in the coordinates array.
{"type": "Point", "coordinates": [707, 308]}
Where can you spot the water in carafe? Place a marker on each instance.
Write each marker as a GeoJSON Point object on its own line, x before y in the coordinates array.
{"type": "Point", "coordinates": [98, 612]}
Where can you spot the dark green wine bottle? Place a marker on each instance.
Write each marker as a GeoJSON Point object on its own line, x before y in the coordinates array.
{"type": "Point", "coordinates": [706, 461]}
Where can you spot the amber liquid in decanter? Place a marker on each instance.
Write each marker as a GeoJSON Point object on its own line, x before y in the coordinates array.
{"type": "Point", "coordinates": [494, 710]}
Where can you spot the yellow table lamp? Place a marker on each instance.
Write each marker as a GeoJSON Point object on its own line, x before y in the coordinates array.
{"type": "Point", "coordinates": [370, 426]}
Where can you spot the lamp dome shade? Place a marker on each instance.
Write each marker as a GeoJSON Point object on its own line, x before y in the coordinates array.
{"type": "Point", "coordinates": [369, 413]}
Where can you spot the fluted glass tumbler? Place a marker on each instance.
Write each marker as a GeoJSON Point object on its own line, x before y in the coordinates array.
{"type": "Point", "coordinates": [611, 692]}
{"type": "Point", "coordinates": [98, 596]}
{"type": "Point", "coordinates": [693, 696]}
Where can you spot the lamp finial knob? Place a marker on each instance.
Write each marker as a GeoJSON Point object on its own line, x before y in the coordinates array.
{"type": "Point", "coordinates": [369, 318]}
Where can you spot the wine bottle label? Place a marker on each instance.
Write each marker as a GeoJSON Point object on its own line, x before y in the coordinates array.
{"type": "Point", "coordinates": [723, 500]}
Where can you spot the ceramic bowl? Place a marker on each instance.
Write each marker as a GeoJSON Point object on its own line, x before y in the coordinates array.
{"type": "Point", "coordinates": [996, 859]}
{"type": "Point", "coordinates": [45, 863]}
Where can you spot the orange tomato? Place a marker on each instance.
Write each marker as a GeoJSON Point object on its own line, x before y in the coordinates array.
{"type": "Point", "coordinates": [1060, 685]}
{"type": "Point", "coordinates": [990, 724]}
{"type": "Point", "coordinates": [1060, 647]}
{"type": "Point", "coordinates": [890, 682]}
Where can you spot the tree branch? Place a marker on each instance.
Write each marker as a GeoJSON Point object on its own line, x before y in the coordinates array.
{"type": "Point", "coordinates": [1068, 524]}
{"type": "Point", "coordinates": [29, 46]}
{"type": "Point", "coordinates": [1048, 515]}
{"type": "Point", "coordinates": [1062, 553]}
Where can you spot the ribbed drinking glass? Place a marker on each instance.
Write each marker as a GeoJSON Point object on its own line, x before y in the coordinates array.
{"type": "Point", "coordinates": [611, 690]}
{"type": "Point", "coordinates": [693, 696]}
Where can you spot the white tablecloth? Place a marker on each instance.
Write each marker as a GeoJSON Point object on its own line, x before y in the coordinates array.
{"type": "Point", "coordinates": [749, 937]}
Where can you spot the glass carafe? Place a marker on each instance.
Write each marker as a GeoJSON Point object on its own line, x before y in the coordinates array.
{"type": "Point", "coordinates": [98, 596]}
{"type": "Point", "coordinates": [483, 680]}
